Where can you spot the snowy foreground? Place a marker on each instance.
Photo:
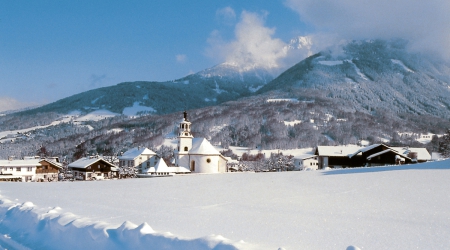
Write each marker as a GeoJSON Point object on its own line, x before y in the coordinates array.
{"type": "Point", "coordinates": [404, 207]}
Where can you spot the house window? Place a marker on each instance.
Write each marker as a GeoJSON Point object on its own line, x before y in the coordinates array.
{"type": "Point", "coordinates": [11, 169]}
{"type": "Point", "coordinates": [185, 148]}
{"type": "Point", "coordinates": [18, 169]}
{"type": "Point", "coordinates": [29, 169]}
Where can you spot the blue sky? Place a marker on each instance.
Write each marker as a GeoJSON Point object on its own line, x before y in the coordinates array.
{"type": "Point", "coordinates": [53, 49]}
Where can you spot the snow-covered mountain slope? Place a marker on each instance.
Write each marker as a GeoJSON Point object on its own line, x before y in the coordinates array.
{"type": "Point", "coordinates": [395, 207]}
{"type": "Point", "coordinates": [212, 86]}
{"type": "Point", "coordinates": [373, 76]}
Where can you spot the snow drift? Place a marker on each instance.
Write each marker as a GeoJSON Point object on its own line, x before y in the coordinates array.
{"type": "Point", "coordinates": [38, 228]}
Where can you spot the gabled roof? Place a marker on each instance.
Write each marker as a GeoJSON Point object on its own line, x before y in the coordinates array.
{"type": "Point", "coordinates": [365, 149]}
{"type": "Point", "coordinates": [131, 154]}
{"type": "Point", "coordinates": [386, 151]}
{"type": "Point", "coordinates": [422, 153]}
{"type": "Point", "coordinates": [337, 150]}
{"type": "Point", "coordinates": [87, 161]}
{"type": "Point", "coordinates": [201, 146]}
{"type": "Point", "coordinates": [52, 161]}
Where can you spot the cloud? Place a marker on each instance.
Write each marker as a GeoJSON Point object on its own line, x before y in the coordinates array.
{"type": "Point", "coordinates": [426, 24]}
{"type": "Point", "coordinates": [226, 16]}
{"type": "Point", "coordinates": [97, 80]}
{"type": "Point", "coordinates": [181, 58]}
{"type": "Point", "coordinates": [8, 103]}
{"type": "Point", "coordinates": [253, 46]}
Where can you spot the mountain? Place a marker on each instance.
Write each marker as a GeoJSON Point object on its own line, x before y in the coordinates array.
{"type": "Point", "coordinates": [372, 76]}
{"type": "Point", "coordinates": [212, 86]}
{"type": "Point", "coordinates": [367, 92]}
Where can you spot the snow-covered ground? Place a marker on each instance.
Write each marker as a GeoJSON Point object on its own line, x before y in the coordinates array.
{"type": "Point", "coordinates": [136, 108]}
{"type": "Point", "coordinates": [96, 115]}
{"type": "Point", "coordinates": [398, 207]}
{"type": "Point", "coordinates": [13, 133]}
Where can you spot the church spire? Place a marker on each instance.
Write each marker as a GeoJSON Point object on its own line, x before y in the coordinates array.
{"type": "Point", "coordinates": [185, 127]}
{"type": "Point", "coordinates": [185, 116]}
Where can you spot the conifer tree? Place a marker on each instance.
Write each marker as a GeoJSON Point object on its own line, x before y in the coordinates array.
{"type": "Point", "coordinates": [444, 145]}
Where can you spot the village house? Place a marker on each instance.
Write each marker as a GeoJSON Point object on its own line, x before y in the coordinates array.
{"type": "Point", "coordinates": [197, 154]}
{"type": "Point", "coordinates": [93, 168]}
{"type": "Point", "coordinates": [306, 162]}
{"type": "Point", "coordinates": [18, 170]}
{"type": "Point", "coordinates": [48, 170]}
{"type": "Point", "coordinates": [29, 169]}
{"type": "Point", "coordinates": [337, 157]}
{"type": "Point", "coordinates": [373, 155]}
{"type": "Point", "coordinates": [141, 158]}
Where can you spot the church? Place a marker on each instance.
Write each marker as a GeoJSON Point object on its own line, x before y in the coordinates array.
{"type": "Point", "coordinates": [197, 154]}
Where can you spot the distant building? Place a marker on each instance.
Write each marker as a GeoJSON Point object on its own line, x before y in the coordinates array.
{"type": "Point", "coordinates": [93, 168]}
{"type": "Point", "coordinates": [306, 162]}
{"type": "Point", "coordinates": [373, 155]}
{"type": "Point", "coordinates": [197, 154]}
{"type": "Point", "coordinates": [48, 170]}
{"type": "Point", "coordinates": [141, 158]}
{"type": "Point", "coordinates": [29, 169]}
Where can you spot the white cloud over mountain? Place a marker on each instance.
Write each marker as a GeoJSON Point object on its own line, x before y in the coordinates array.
{"type": "Point", "coordinates": [426, 24]}
{"type": "Point", "coordinates": [8, 103]}
{"type": "Point", "coordinates": [254, 45]}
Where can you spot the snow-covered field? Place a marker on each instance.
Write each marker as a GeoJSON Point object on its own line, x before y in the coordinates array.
{"type": "Point", "coordinates": [398, 207]}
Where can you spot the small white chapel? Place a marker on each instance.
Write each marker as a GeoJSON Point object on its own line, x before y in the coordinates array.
{"type": "Point", "coordinates": [197, 154]}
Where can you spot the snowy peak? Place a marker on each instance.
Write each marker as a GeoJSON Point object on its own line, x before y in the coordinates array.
{"type": "Point", "coordinates": [373, 75]}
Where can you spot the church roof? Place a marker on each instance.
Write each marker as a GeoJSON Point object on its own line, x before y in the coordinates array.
{"type": "Point", "coordinates": [135, 152]}
{"type": "Point", "coordinates": [161, 167]}
{"type": "Point", "coordinates": [201, 146]}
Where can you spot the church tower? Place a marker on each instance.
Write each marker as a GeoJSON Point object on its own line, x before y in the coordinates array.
{"type": "Point", "coordinates": [184, 135]}
{"type": "Point", "coordinates": [184, 140]}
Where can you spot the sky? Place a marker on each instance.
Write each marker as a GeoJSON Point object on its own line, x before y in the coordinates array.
{"type": "Point", "coordinates": [54, 49]}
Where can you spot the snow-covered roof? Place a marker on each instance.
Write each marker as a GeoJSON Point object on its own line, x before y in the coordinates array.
{"type": "Point", "coordinates": [161, 167]}
{"type": "Point", "coordinates": [422, 153]}
{"type": "Point", "coordinates": [385, 151]}
{"type": "Point", "coordinates": [305, 156]}
{"type": "Point", "coordinates": [52, 161]}
{"type": "Point", "coordinates": [87, 161]}
{"type": "Point", "coordinates": [131, 154]}
{"type": "Point", "coordinates": [201, 146]}
{"type": "Point", "coordinates": [365, 149]}
{"type": "Point", "coordinates": [337, 150]}
{"type": "Point", "coordinates": [20, 163]}
{"type": "Point", "coordinates": [230, 160]}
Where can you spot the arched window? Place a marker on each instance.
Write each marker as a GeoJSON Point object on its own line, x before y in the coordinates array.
{"type": "Point", "coordinates": [192, 166]}
{"type": "Point", "coordinates": [185, 148]}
